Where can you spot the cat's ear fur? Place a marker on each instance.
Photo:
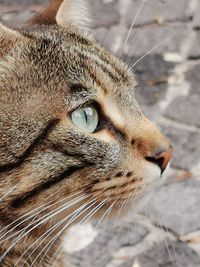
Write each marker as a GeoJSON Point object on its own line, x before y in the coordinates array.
{"type": "Point", "coordinates": [64, 13]}
{"type": "Point", "coordinates": [8, 39]}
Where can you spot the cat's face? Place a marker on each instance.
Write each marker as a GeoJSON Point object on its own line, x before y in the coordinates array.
{"type": "Point", "coordinates": [70, 124]}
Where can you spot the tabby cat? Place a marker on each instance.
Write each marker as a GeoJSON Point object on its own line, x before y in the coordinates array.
{"type": "Point", "coordinates": [74, 143]}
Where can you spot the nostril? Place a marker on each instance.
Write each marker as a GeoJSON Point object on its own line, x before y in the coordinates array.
{"type": "Point", "coordinates": [159, 162]}
{"type": "Point", "coordinates": [161, 158]}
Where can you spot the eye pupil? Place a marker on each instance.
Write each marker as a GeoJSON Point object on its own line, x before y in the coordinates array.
{"type": "Point", "coordinates": [85, 118]}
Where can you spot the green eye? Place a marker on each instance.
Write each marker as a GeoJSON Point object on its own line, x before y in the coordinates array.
{"type": "Point", "coordinates": [86, 119]}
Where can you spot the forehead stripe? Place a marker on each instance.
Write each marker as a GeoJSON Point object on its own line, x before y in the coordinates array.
{"type": "Point", "coordinates": [100, 57]}
{"type": "Point", "coordinates": [104, 67]}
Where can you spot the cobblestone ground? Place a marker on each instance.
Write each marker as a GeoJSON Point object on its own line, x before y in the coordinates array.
{"type": "Point", "coordinates": [167, 232]}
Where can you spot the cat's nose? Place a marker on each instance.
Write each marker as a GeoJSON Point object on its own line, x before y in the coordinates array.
{"type": "Point", "coordinates": [161, 157]}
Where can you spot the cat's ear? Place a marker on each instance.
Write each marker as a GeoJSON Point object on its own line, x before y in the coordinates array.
{"type": "Point", "coordinates": [75, 12]}
{"type": "Point", "coordinates": [64, 13]}
{"type": "Point", "coordinates": [8, 39]}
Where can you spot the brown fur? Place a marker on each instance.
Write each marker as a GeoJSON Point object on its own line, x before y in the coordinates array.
{"type": "Point", "coordinates": [47, 15]}
{"type": "Point", "coordinates": [46, 72]}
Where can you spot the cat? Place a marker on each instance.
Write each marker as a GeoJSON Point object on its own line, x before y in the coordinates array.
{"type": "Point", "coordinates": [74, 143]}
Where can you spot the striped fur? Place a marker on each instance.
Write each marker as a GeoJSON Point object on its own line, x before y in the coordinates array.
{"type": "Point", "coordinates": [47, 71]}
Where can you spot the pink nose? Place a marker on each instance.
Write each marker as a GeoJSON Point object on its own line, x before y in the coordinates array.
{"type": "Point", "coordinates": [161, 157]}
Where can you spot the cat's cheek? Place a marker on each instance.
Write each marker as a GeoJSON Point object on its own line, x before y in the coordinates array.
{"type": "Point", "coordinates": [106, 136]}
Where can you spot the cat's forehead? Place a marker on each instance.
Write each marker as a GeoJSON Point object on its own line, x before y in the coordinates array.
{"type": "Point", "coordinates": [87, 70]}
{"type": "Point", "coordinates": [102, 73]}
{"type": "Point", "coordinates": [84, 61]}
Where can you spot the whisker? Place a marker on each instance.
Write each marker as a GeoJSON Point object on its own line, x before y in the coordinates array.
{"type": "Point", "coordinates": [32, 211]}
{"type": "Point", "coordinates": [165, 229]}
{"type": "Point", "coordinates": [84, 220]}
{"type": "Point", "coordinates": [91, 213]}
{"type": "Point", "coordinates": [149, 52]}
{"type": "Point", "coordinates": [69, 203]}
{"type": "Point", "coordinates": [126, 201]}
{"type": "Point", "coordinates": [44, 205]}
{"type": "Point", "coordinates": [11, 190]}
{"type": "Point", "coordinates": [165, 240]}
{"type": "Point", "coordinates": [35, 226]}
{"type": "Point", "coordinates": [76, 215]}
{"type": "Point", "coordinates": [105, 36]}
{"type": "Point", "coordinates": [49, 230]}
{"type": "Point", "coordinates": [105, 213]}
{"type": "Point", "coordinates": [132, 191]}
{"type": "Point", "coordinates": [121, 207]}
{"type": "Point", "coordinates": [108, 214]}
{"type": "Point", "coordinates": [58, 255]}
{"type": "Point", "coordinates": [133, 23]}
{"type": "Point", "coordinates": [9, 225]}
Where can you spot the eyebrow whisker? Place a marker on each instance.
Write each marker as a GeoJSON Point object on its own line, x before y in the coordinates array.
{"type": "Point", "coordinates": [149, 52]}
{"type": "Point", "coordinates": [133, 24]}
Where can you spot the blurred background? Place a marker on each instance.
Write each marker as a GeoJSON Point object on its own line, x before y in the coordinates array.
{"type": "Point", "coordinates": [163, 46]}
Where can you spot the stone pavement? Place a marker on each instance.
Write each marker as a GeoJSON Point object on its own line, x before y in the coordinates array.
{"type": "Point", "coordinates": [167, 232]}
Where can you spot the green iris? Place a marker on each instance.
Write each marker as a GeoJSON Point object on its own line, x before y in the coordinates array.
{"type": "Point", "coordinates": [85, 118]}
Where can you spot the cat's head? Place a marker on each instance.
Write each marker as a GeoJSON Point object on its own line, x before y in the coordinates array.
{"type": "Point", "coordinates": [69, 121]}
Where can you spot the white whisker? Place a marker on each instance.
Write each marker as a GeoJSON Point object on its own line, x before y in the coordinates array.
{"type": "Point", "coordinates": [11, 190]}
{"type": "Point", "coordinates": [84, 220]}
{"type": "Point", "coordinates": [149, 52]}
{"type": "Point", "coordinates": [29, 217]}
{"type": "Point", "coordinates": [105, 213]}
{"type": "Point", "coordinates": [164, 228]}
{"type": "Point", "coordinates": [14, 234]}
{"type": "Point", "coordinates": [83, 209]}
{"type": "Point", "coordinates": [133, 23]}
{"type": "Point", "coordinates": [165, 240]}
{"type": "Point", "coordinates": [53, 227]}
{"type": "Point", "coordinates": [58, 255]}
{"type": "Point", "coordinates": [35, 226]}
